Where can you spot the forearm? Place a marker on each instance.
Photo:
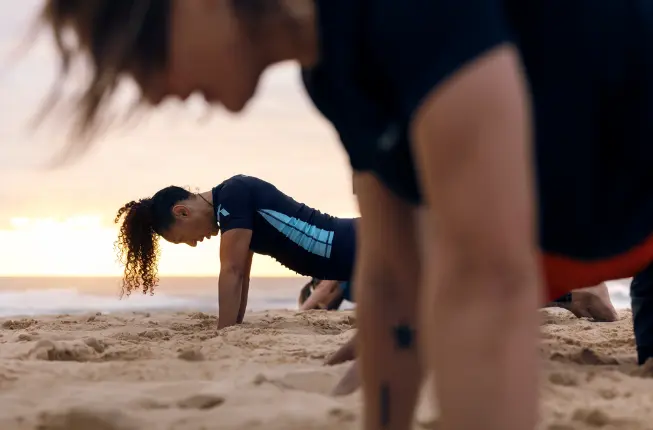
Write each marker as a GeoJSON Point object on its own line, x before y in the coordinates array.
{"type": "Point", "coordinates": [486, 355]}
{"type": "Point", "coordinates": [243, 299]}
{"type": "Point", "coordinates": [230, 288]}
{"type": "Point", "coordinates": [389, 356]}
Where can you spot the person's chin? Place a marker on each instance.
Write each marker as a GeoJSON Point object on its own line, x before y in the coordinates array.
{"type": "Point", "coordinates": [235, 106]}
{"type": "Point", "coordinates": [239, 102]}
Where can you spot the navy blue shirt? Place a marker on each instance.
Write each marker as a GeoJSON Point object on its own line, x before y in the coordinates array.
{"type": "Point", "coordinates": [301, 238]}
{"type": "Point", "coordinates": [589, 65]}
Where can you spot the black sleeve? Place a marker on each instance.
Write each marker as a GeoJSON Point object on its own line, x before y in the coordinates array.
{"type": "Point", "coordinates": [420, 43]}
{"type": "Point", "coordinates": [235, 206]}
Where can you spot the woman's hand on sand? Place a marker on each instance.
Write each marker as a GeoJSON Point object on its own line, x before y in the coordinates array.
{"type": "Point", "coordinates": [346, 352]}
{"type": "Point", "coordinates": [349, 383]}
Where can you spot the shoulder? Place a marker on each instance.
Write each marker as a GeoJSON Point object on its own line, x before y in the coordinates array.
{"type": "Point", "coordinates": [429, 41]}
{"type": "Point", "coordinates": [237, 179]}
{"type": "Point", "coordinates": [240, 183]}
{"type": "Point", "coordinates": [383, 58]}
{"type": "Point", "coordinates": [247, 181]}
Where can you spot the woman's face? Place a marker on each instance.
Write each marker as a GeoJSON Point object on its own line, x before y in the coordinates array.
{"type": "Point", "coordinates": [209, 53]}
{"type": "Point", "coordinates": [191, 225]}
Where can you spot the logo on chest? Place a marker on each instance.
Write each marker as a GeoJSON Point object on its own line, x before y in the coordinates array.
{"type": "Point", "coordinates": [221, 212]}
{"type": "Point", "coordinates": [389, 138]}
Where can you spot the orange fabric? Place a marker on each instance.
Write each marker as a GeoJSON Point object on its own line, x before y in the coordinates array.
{"type": "Point", "coordinates": [563, 274]}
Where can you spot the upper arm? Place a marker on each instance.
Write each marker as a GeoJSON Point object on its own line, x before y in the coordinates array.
{"type": "Point", "coordinates": [472, 137]}
{"type": "Point", "coordinates": [235, 215]}
{"type": "Point", "coordinates": [458, 84]}
{"type": "Point", "coordinates": [236, 206]}
{"type": "Point", "coordinates": [430, 41]}
{"type": "Point", "coordinates": [235, 254]}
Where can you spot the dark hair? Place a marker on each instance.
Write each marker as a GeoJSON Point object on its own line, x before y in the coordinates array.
{"type": "Point", "coordinates": [137, 245]}
{"type": "Point", "coordinates": [117, 36]}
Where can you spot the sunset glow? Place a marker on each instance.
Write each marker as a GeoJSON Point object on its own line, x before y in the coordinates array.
{"type": "Point", "coordinates": [59, 222]}
{"type": "Point", "coordinates": [84, 246]}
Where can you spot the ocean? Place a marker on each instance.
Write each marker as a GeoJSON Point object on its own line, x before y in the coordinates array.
{"type": "Point", "coordinates": [59, 295]}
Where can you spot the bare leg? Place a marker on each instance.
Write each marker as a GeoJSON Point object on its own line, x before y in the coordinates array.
{"type": "Point", "coordinates": [386, 282]}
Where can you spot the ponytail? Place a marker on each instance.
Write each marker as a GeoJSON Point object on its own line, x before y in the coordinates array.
{"type": "Point", "coordinates": [137, 246]}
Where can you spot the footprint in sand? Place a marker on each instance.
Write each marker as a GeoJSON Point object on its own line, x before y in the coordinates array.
{"type": "Point", "coordinates": [585, 356]}
{"type": "Point", "coordinates": [25, 337]}
{"type": "Point", "coordinates": [564, 379]}
{"type": "Point", "coordinates": [190, 354]}
{"type": "Point", "coordinates": [198, 401]}
{"type": "Point", "coordinates": [597, 418]}
{"type": "Point", "coordinates": [97, 345]}
{"type": "Point", "coordinates": [88, 349]}
{"type": "Point", "coordinates": [81, 418]}
{"type": "Point", "coordinates": [201, 401]}
{"type": "Point", "coordinates": [311, 381]}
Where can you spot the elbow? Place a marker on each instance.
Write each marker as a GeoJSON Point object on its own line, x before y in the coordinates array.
{"type": "Point", "coordinates": [232, 270]}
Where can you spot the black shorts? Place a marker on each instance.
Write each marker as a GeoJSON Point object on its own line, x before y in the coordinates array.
{"type": "Point", "coordinates": [343, 256]}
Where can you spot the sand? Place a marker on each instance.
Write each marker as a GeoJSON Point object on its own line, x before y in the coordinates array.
{"type": "Point", "coordinates": [172, 371]}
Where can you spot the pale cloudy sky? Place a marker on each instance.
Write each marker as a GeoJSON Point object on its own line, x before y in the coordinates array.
{"type": "Point", "coordinates": [60, 221]}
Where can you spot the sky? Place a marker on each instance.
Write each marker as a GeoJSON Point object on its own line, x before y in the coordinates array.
{"type": "Point", "coordinates": [59, 221]}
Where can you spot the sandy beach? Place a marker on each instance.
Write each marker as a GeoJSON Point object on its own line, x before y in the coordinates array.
{"type": "Point", "coordinates": [173, 371]}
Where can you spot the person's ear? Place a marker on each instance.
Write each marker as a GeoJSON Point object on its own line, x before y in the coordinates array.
{"type": "Point", "coordinates": [180, 211]}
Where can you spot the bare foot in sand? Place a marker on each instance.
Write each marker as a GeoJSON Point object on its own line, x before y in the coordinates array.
{"type": "Point", "coordinates": [591, 302]}
{"type": "Point", "coordinates": [349, 382]}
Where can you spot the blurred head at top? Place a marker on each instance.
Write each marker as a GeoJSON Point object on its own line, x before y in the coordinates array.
{"type": "Point", "coordinates": [174, 48]}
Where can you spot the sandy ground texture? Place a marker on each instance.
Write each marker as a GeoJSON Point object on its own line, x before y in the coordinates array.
{"type": "Point", "coordinates": [173, 371]}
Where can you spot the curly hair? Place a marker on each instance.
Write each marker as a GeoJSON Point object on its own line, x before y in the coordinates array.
{"type": "Point", "coordinates": [137, 245]}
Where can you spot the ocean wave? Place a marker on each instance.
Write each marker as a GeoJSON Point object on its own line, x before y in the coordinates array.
{"type": "Point", "coordinates": [50, 301]}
